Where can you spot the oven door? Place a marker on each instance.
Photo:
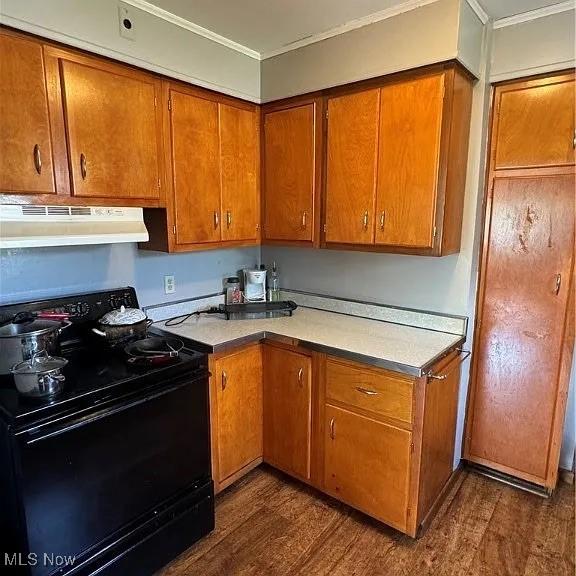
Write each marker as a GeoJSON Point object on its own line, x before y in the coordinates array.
{"type": "Point", "coordinates": [87, 476]}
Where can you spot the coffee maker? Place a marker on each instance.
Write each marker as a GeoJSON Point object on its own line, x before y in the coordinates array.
{"type": "Point", "coordinates": [255, 285]}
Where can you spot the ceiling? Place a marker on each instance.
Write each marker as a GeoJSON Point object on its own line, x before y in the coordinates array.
{"type": "Point", "coordinates": [265, 26]}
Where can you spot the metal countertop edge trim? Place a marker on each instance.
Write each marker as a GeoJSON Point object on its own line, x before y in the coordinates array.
{"type": "Point", "coordinates": [274, 337]}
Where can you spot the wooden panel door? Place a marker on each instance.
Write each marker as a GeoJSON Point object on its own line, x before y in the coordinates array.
{"type": "Point", "coordinates": [287, 410]}
{"type": "Point", "coordinates": [351, 167]}
{"type": "Point", "coordinates": [408, 161]}
{"type": "Point", "coordinates": [367, 464]}
{"type": "Point", "coordinates": [195, 168]}
{"type": "Point", "coordinates": [289, 160]}
{"type": "Point", "coordinates": [526, 278]}
{"type": "Point", "coordinates": [25, 143]}
{"type": "Point", "coordinates": [238, 383]}
{"type": "Point", "coordinates": [535, 124]}
{"type": "Point", "coordinates": [113, 132]}
{"type": "Point", "coordinates": [239, 164]}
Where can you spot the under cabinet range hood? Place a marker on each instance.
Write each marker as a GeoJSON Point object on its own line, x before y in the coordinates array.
{"type": "Point", "coordinates": [32, 226]}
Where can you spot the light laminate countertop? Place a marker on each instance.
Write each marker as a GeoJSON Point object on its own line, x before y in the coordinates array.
{"type": "Point", "coordinates": [405, 349]}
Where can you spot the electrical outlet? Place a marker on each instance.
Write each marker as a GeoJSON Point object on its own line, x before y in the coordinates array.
{"type": "Point", "coordinates": [169, 284]}
{"type": "Point", "coordinates": [126, 21]}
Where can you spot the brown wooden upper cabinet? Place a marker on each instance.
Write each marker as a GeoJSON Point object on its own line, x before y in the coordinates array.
{"type": "Point", "coordinates": [113, 127]}
{"type": "Point", "coordinates": [292, 169]}
{"type": "Point", "coordinates": [26, 142]}
{"type": "Point", "coordinates": [396, 164]}
{"type": "Point", "coordinates": [351, 167]}
{"type": "Point", "coordinates": [534, 124]}
{"type": "Point", "coordinates": [212, 147]}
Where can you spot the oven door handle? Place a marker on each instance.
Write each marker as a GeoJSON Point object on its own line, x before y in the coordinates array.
{"type": "Point", "coordinates": [89, 419]}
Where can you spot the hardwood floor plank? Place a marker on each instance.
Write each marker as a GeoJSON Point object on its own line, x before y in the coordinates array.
{"type": "Point", "coordinates": [552, 551]}
{"type": "Point", "coordinates": [507, 541]}
{"type": "Point", "coordinates": [268, 524]}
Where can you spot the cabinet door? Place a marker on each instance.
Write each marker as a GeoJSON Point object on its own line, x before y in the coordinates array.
{"type": "Point", "coordinates": [351, 167]}
{"type": "Point", "coordinates": [113, 134]}
{"type": "Point", "coordinates": [239, 404]}
{"type": "Point", "coordinates": [195, 168]}
{"type": "Point", "coordinates": [239, 149]}
{"type": "Point", "coordinates": [408, 161]}
{"type": "Point", "coordinates": [25, 145]}
{"type": "Point", "coordinates": [367, 464]}
{"type": "Point", "coordinates": [535, 124]}
{"type": "Point", "coordinates": [289, 160]}
{"type": "Point", "coordinates": [287, 410]}
{"type": "Point", "coordinates": [525, 295]}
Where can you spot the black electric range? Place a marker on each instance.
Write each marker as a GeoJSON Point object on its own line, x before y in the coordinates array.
{"type": "Point", "coordinates": [112, 476]}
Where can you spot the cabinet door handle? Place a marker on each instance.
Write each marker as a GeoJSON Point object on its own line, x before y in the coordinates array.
{"type": "Point", "coordinates": [365, 220]}
{"type": "Point", "coordinates": [228, 218]}
{"type": "Point", "coordinates": [83, 169]}
{"type": "Point", "coordinates": [382, 219]}
{"type": "Point", "coordinates": [301, 376]}
{"type": "Point", "coordinates": [332, 429]}
{"type": "Point", "coordinates": [224, 380]}
{"type": "Point", "coordinates": [304, 218]}
{"type": "Point", "coordinates": [366, 391]}
{"type": "Point", "coordinates": [216, 219]}
{"type": "Point", "coordinates": [37, 159]}
{"type": "Point", "coordinates": [558, 283]}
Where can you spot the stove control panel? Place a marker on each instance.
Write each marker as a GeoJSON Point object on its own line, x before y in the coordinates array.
{"type": "Point", "coordinates": [81, 307]}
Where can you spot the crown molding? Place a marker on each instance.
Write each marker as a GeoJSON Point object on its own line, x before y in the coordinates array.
{"type": "Point", "coordinates": [480, 12]}
{"type": "Point", "coordinates": [535, 14]}
{"type": "Point", "coordinates": [75, 42]}
{"type": "Point", "coordinates": [186, 24]}
{"type": "Point", "coordinates": [351, 25]}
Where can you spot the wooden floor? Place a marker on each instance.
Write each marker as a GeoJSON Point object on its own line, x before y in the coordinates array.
{"type": "Point", "coordinates": [268, 524]}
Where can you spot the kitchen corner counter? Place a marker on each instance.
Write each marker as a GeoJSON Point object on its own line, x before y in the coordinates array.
{"type": "Point", "coordinates": [405, 349]}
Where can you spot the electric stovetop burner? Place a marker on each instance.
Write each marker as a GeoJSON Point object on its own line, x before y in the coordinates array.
{"type": "Point", "coordinates": [96, 372]}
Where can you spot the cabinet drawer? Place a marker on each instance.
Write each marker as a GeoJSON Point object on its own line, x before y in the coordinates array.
{"type": "Point", "coordinates": [369, 389]}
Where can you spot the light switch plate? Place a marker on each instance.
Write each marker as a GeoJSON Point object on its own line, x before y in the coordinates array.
{"type": "Point", "coordinates": [169, 284]}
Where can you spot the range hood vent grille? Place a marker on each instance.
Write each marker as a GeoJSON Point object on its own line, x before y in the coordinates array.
{"type": "Point", "coordinates": [32, 226]}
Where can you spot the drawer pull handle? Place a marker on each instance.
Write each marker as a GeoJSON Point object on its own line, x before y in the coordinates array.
{"type": "Point", "coordinates": [83, 168]}
{"type": "Point", "coordinates": [216, 220]}
{"type": "Point", "coordinates": [224, 380]}
{"type": "Point", "coordinates": [300, 376]}
{"type": "Point", "coordinates": [465, 354]}
{"type": "Point", "coordinates": [365, 220]}
{"type": "Point", "coordinates": [366, 391]}
{"type": "Point", "coordinates": [382, 219]}
{"type": "Point", "coordinates": [304, 218]}
{"type": "Point", "coordinates": [228, 218]}
{"type": "Point", "coordinates": [332, 429]}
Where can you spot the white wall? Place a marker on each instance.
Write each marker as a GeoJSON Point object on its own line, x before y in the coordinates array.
{"type": "Point", "coordinates": [534, 47]}
{"type": "Point", "coordinates": [424, 35]}
{"type": "Point", "coordinates": [34, 273]}
{"type": "Point", "coordinates": [159, 46]}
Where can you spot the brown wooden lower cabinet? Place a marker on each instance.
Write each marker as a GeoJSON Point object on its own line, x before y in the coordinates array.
{"type": "Point", "coordinates": [287, 410]}
{"type": "Point", "coordinates": [367, 465]}
{"type": "Point", "coordinates": [381, 441]}
{"type": "Point", "coordinates": [236, 413]}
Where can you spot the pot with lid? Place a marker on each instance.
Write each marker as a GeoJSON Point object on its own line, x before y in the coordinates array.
{"type": "Point", "coordinates": [23, 337]}
{"type": "Point", "coordinates": [40, 377]}
{"type": "Point", "coordinates": [122, 325]}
